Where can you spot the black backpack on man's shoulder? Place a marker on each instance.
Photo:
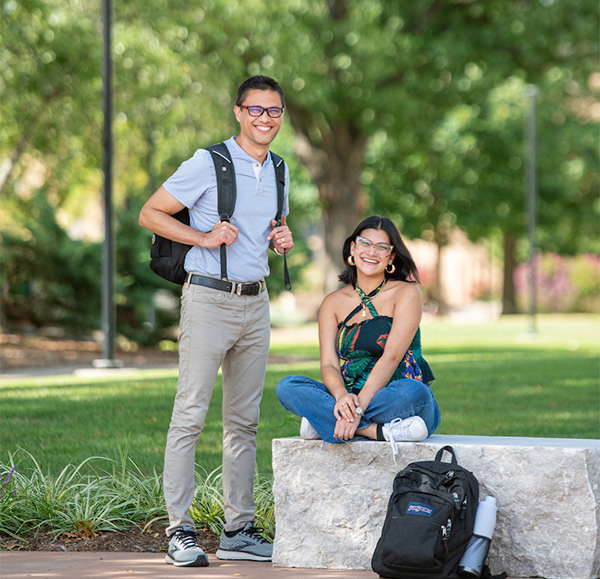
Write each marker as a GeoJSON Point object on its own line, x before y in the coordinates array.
{"type": "Point", "coordinates": [429, 520]}
{"type": "Point", "coordinates": [167, 257]}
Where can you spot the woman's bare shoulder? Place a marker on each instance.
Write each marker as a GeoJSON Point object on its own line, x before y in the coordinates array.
{"type": "Point", "coordinates": [342, 294]}
{"type": "Point", "coordinates": [405, 293]}
{"type": "Point", "coordinates": [338, 300]}
{"type": "Point", "coordinates": [404, 288]}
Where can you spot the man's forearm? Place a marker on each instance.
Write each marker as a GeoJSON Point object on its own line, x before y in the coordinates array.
{"type": "Point", "coordinates": [167, 226]}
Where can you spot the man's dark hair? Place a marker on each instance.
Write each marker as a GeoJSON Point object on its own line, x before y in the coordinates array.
{"type": "Point", "coordinates": [258, 82]}
{"type": "Point", "coordinates": [406, 269]}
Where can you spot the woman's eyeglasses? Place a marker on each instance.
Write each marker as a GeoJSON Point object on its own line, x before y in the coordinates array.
{"type": "Point", "coordinates": [382, 249]}
{"type": "Point", "coordinates": [256, 111]}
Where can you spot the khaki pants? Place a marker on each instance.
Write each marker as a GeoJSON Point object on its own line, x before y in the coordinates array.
{"type": "Point", "coordinates": [218, 329]}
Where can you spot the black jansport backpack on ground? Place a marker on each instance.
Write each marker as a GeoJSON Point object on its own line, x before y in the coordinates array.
{"type": "Point", "coordinates": [167, 257]}
{"type": "Point", "coordinates": [429, 520]}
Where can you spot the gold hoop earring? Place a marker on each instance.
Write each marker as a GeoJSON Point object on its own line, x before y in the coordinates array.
{"type": "Point", "coordinates": [390, 271]}
{"type": "Point", "coordinates": [350, 260]}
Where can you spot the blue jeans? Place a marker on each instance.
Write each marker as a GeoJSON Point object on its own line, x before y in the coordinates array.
{"type": "Point", "coordinates": [399, 399]}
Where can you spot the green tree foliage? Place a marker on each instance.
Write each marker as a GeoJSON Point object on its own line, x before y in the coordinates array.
{"type": "Point", "coordinates": [415, 110]}
{"type": "Point", "coordinates": [459, 161]}
{"type": "Point", "coordinates": [373, 85]}
{"type": "Point", "coordinates": [49, 81]}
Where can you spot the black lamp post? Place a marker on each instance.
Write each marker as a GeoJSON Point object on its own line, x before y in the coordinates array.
{"type": "Point", "coordinates": [109, 317]}
{"type": "Point", "coordinates": [532, 94]}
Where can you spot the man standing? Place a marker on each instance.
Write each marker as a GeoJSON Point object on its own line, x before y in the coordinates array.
{"type": "Point", "coordinates": [224, 324]}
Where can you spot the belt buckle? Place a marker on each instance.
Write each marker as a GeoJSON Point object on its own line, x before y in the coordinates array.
{"type": "Point", "coordinates": [238, 290]}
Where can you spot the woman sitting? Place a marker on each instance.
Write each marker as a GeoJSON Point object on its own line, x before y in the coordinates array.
{"type": "Point", "coordinates": [375, 380]}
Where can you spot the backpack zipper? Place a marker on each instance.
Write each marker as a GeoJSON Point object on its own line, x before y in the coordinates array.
{"type": "Point", "coordinates": [446, 532]}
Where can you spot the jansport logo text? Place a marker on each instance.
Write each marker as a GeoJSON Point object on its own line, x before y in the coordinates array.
{"type": "Point", "coordinates": [419, 509]}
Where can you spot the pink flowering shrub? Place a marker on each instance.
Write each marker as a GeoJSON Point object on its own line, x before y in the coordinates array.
{"type": "Point", "coordinates": [563, 284]}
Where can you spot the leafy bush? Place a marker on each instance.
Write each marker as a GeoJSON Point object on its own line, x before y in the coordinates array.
{"type": "Point", "coordinates": [585, 274]}
{"type": "Point", "coordinates": [47, 277]}
{"type": "Point", "coordinates": [50, 279]}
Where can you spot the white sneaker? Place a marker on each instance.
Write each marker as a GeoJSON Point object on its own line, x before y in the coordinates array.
{"type": "Point", "coordinates": [184, 551]}
{"type": "Point", "coordinates": [307, 431]}
{"type": "Point", "coordinates": [411, 429]}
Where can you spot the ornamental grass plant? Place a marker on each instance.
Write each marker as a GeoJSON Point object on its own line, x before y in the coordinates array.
{"type": "Point", "coordinates": [108, 497]}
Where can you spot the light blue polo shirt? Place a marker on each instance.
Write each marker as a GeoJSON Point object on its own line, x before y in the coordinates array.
{"type": "Point", "coordinates": [194, 184]}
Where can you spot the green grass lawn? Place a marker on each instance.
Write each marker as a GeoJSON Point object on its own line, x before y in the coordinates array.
{"type": "Point", "coordinates": [492, 379]}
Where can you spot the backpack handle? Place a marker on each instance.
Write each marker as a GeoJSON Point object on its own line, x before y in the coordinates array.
{"type": "Point", "coordinates": [450, 450]}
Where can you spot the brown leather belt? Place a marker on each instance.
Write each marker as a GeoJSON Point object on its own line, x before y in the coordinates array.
{"type": "Point", "coordinates": [238, 288]}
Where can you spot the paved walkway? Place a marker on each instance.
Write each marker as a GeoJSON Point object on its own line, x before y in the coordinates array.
{"type": "Point", "coordinates": [74, 565]}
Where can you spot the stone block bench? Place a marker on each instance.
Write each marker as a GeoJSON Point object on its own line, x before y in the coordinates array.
{"type": "Point", "coordinates": [330, 500]}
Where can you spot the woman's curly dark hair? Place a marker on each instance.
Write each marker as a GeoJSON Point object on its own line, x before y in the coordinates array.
{"type": "Point", "coordinates": [406, 269]}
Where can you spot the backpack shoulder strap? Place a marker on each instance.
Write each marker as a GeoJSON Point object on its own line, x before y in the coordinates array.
{"type": "Point", "coordinates": [279, 167]}
{"type": "Point", "coordinates": [225, 179]}
{"type": "Point", "coordinates": [226, 190]}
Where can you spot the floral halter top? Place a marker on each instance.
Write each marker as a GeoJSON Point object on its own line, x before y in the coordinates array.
{"type": "Point", "coordinates": [360, 345]}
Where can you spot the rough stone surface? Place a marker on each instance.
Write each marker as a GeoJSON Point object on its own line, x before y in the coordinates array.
{"type": "Point", "coordinates": [330, 501]}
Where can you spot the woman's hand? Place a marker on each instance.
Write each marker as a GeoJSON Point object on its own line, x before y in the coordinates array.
{"type": "Point", "coordinates": [345, 408]}
{"type": "Point", "coordinates": [345, 430]}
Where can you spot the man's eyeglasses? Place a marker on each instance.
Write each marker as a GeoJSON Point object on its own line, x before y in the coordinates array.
{"type": "Point", "coordinates": [382, 249]}
{"type": "Point", "coordinates": [256, 111]}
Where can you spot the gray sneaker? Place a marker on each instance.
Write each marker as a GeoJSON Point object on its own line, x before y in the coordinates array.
{"type": "Point", "coordinates": [184, 551]}
{"type": "Point", "coordinates": [246, 545]}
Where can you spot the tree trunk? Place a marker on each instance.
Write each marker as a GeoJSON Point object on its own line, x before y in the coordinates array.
{"type": "Point", "coordinates": [509, 302]}
{"type": "Point", "coordinates": [335, 165]}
